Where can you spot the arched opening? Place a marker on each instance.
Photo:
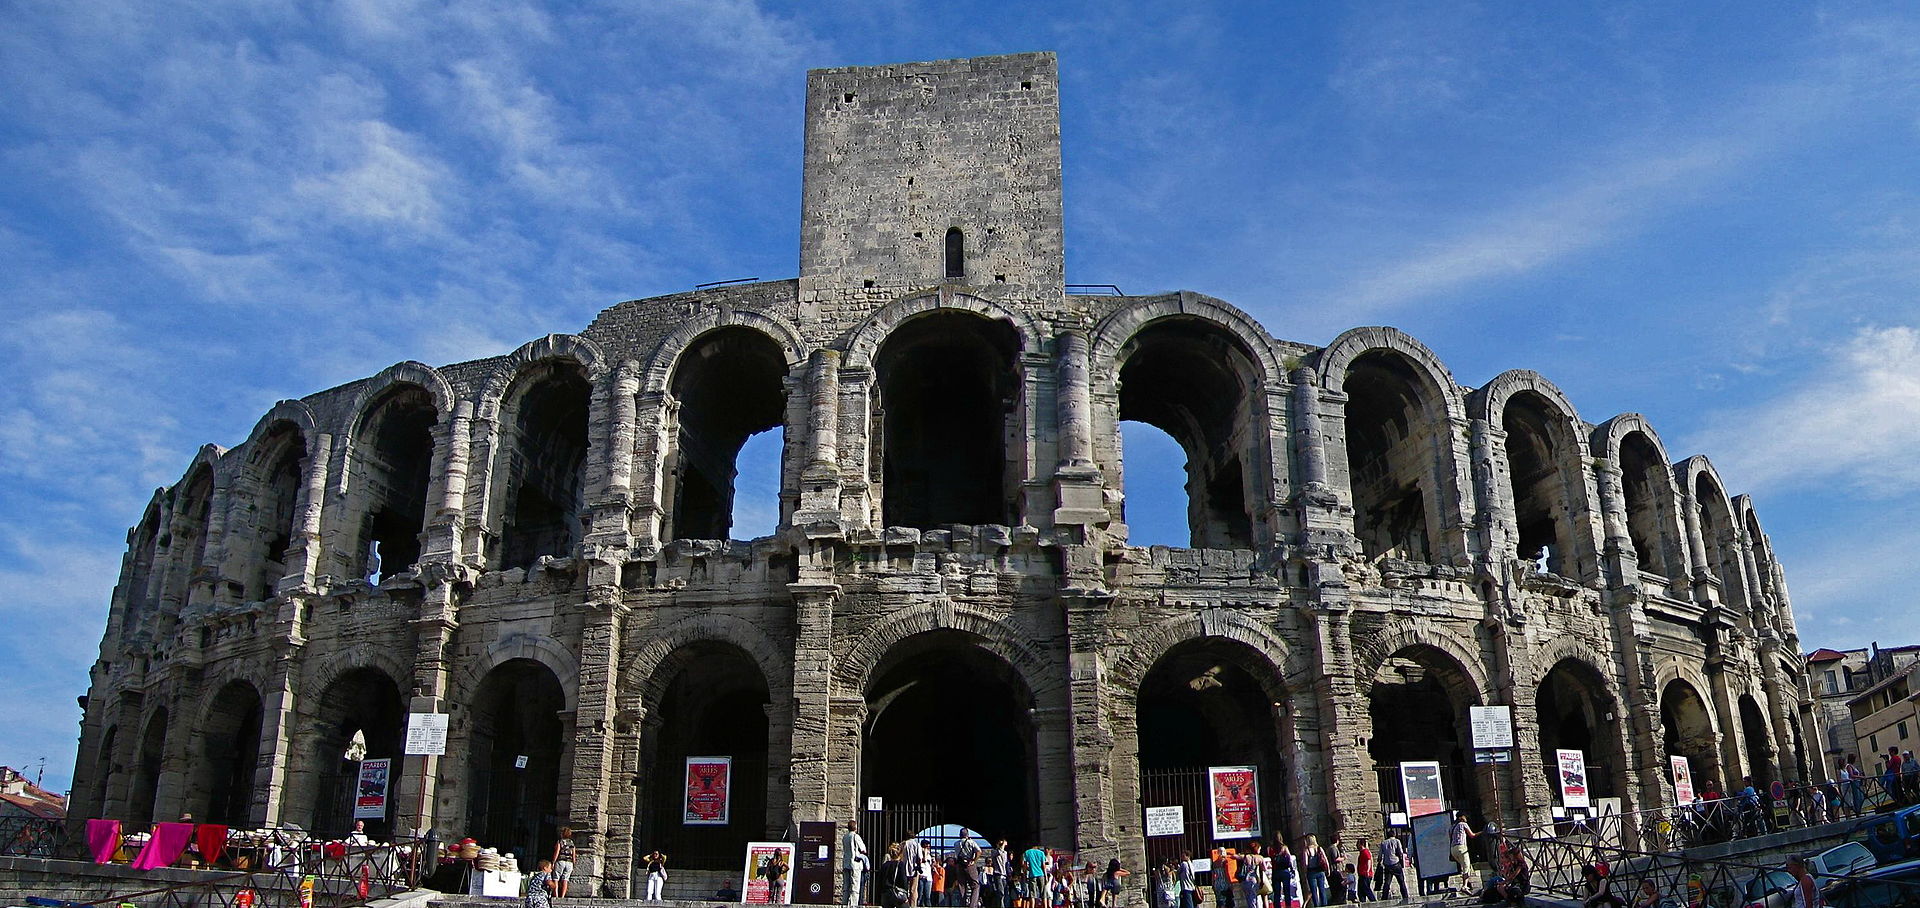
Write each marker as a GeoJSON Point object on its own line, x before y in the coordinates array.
{"type": "Point", "coordinates": [516, 754]}
{"type": "Point", "coordinates": [713, 702]}
{"type": "Point", "coordinates": [395, 470]}
{"type": "Point", "coordinates": [103, 770]}
{"type": "Point", "coordinates": [1152, 469]}
{"type": "Point", "coordinates": [1388, 464]}
{"type": "Point", "coordinates": [1759, 746]}
{"type": "Point", "coordinates": [186, 540]}
{"type": "Point", "coordinates": [1766, 597]}
{"type": "Point", "coordinates": [1646, 481]}
{"type": "Point", "coordinates": [146, 770]}
{"type": "Point", "coordinates": [1575, 712]}
{"type": "Point", "coordinates": [1205, 703]}
{"type": "Point", "coordinates": [1717, 531]}
{"type": "Point", "coordinates": [1419, 710]}
{"type": "Point", "coordinates": [545, 463]}
{"type": "Point", "coordinates": [139, 590]}
{"type": "Point", "coordinates": [274, 510]}
{"type": "Point", "coordinates": [1192, 380]}
{"type": "Point", "coordinates": [1542, 504]}
{"type": "Point", "coordinates": [946, 383]}
{"type": "Point", "coordinates": [730, 384]}
{"type": "Point", "coordinates": [1687, 725]}
{"type": "Point", "coordinates": [229, 754]}
{"type": "Point", "coordinates": [939, 692]}
{"type": "Point", "coordinates": [358, 717]}
{"type": "Point", "coordinates": [956, 249]}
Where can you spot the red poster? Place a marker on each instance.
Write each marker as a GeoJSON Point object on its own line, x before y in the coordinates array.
{"type": "Point", "coordinates": [1236, 801]}
{"type": "Point", "coordinates": [709, 792]}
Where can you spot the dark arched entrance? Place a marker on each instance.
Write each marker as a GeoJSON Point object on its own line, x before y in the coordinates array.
{"type": "Point", "coordinates": [1575, 712]}
{"type": "Point", "coordinates": [1419, 711]}
{"type": "Point", "coordinates": [949, 739]}
{"type": "Point", "coordinates": [1686, 724]}
{"type": "Point", "coordinates": [229, 754]}
{"type": "Point", "coordinates": [946, 387]}
{"type": "Point", "coordinates": [146, 769]}
{"type": "Point", "coordinates": [514, 801]}
{"type": "Point", "coordinates": [1759, 747]}
{"type": "Point", "coordinates": [360, 717]}
{"type": "Point", "coordinates": [713, 703]}
{"type": "Point", "coordinates": [1209, 702]}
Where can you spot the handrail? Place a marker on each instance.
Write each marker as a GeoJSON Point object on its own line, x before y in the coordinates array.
{"type": "Point", "coordinates": [1705, 822]}
{"type": "Point", "coordinates": [32, 837]}
{"type": "Point", "coordinates": [336, 881]}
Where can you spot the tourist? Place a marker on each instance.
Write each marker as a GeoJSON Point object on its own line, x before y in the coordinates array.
{"type": "Point", "coordinates": [540, 887]}
{"type": "Point", "coordinates": [563, 861]}
{"type": "Point", "coordinates": [1817, 811]}
{"type": "Point", "coordinates": [1806, 893]}
{"type": "Point", "coordinates": [1254, 876]}
{"type": "Point", "coordinates": [1166, 885]}
{"type": "Point", "coordinates": [999, 885]}
{"type": "Point", "coordinates": [1185, 896]}
{"type": "Point", "coordinates": [1516, 875]}
{"type": "Point", "coordinates": [853, 863]}
{"type": "Point", "coordinates": [1363, 870]}
{"type": "Point", "coordinates": [1649, 896]}
{"type": "Point", "coordinates": [890, 884]}
{"type": "Point", "coordinates": [359, 835]}
{"type": "Point", "coordinates": [914, 858]}
{"type": "Point", "coordinates": [1314, 866]}
{"type": "Point", "coordinates": [1457, 848]}
{"type": "Point", "coordinates": [1856, 789]}
{"type": "Point", "coordinates": [656, 875]}
{"type": "Point", "coordinates": [966, 856]}
{"type": "Point", "coordinates": [937, 880]}
{"type": "Point", "coordinates": [775, 871]}
{"type": "Point", "coordinates": [1035, 861]}
{"type": "Point", "coordinates": [1393, 856]}
{"type": "Point", "coordinates": [1110, 884]}
{"type": "Point", "coordinates": [1284, 879]}
{"type": "Point", "coordinates": [929, 862]}
{"type": "Point", "coordinates": [1598, 891]}
{"type": "Point", "coordinates": [1222, 876]}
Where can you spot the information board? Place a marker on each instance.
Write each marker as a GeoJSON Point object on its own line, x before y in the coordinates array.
{"type": "Point", "coordinates": [1432, 841]}
{"type": "Point", "coordinates": [1573, 779]}
{"type": "Point", "coordinates": [1166, 820]}
{"type": "Point", "coordinates": [426, 734]}
{"type": "Point", "coordinates": [1420, 786]}
{"type": "Point", "coordinates": [1492, 726]}
{"type": "Point", "coordinates": [1682, 781]}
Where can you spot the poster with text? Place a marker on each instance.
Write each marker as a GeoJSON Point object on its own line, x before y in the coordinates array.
{"type": "Point", "coordinates": [1236, 801]}
{"type": "Point", "coordinates": [1573, 779]}
{"type": "Point", "coordinates": [768, 876]}
{"type": "Point", "coordinates": [709, 791]}
{"type": "Point", "coordinates": [370, 794]}
{"type": "Point", "coordinates": [1420, 785]}
{"type": "Point", "coordinates": [1682, 781]}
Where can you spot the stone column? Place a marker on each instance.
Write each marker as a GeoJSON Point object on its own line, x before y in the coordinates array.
{"type": "Point", "coordinates": [443, 541]}
{"type": "Point", "coordinates": [1306, 430]}
{"type": "Point", "coordinates": [594, 717]}
{"type": "Point", "coordinates": [621, 432]}
{"type": "Point", "coordinates": [303, 551]}
{"type": "Point", "coordinates": [1073, 402]}
{"type": "Point", "coordinates": [1352, 803]}
{"type": "Point", "coordinates": [1090, 751]}
{"type": "Point", "coordinates": [1696, 547]}
{"type": "Point", "coordinates": [1777, 703]}
{"type": "Point", "coordinates": [1618, 559]}
{"type": "Point", "coordinates": [418, 789]}
{"type": "Point", "coordinates": [616, 869]}
{"type": "Point", "coordinates": [823, 381]}
{"type": "Point", "coordinates": [203, 578]}
{"type": "Point", "coordinates": [809, 759]}
{"type": "Point", "coordinates": [1494, 518]}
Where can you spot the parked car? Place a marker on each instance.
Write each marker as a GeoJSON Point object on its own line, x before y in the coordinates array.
{"type": "Point", "coordinates": [1891, 836]}
{"type": "Point", "coordinates": [1772, 889]}
{"type": "Point", "coordinates": [1890, 886]}
{"type": "Point", "coordinates": [1843, 860]}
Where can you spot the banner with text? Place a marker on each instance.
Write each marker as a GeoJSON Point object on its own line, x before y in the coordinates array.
{"type": "Point", "coordinates": [370, 795]}
{"type": "Point", "coordinates": [1236, 801]}
{"type": "Point", "coordinates": [1682, 781]}
{"type": "Point", "coordinates": [709, 795]}
{"type": "Point", "coordinates": [768, 877]}
{"type": "Point", "coordinates": [1573, 779]}
{"type": "Point", "coordinates": [1420, 785]}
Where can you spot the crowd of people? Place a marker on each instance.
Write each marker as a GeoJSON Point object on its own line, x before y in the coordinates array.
{"type": "Point", "coordinates": [915, 873]}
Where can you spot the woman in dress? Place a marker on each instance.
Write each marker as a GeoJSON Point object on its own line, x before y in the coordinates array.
{"type": "Point", "coordinates": [540, 887]}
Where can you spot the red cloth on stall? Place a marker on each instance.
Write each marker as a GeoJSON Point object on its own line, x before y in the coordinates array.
{"type": "Point", "coordinates": [103, 839]}
{"type": "Point", "coordinates": [212, 840]}
{"type": "Point", "coordinates": [164, 847]}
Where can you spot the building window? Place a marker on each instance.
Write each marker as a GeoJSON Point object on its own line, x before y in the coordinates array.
{"type": "Point", "coordinates": [1833, 683]}
{"type": "Point", "coordinates": [1903, 729]}
{"type": "Point", "coordinates": [1873, 743]}
{"type": "Point", "coordinates": [956, 253]}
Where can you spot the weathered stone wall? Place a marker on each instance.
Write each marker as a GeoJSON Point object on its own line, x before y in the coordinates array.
{"type": "Point", "coordinates": [1075, 623]}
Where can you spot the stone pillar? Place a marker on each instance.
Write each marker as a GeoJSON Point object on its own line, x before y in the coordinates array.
{"type": "Point", "coordinates": [1306, 430]}
{"type": "Point", "coordinates": [1073, 402]}
{"type": "Point", "coordinates": [1778, 701]}
{"type": "Point", "coordinates": [809, 760]}
{"type": "Point", "coordinates": [621, 432]}
{"type": "Point", "coordinates": [823, 380]}
{"type": "Point", "coordinates": [1494, 518]}
{"type": "Point", "coordinates": [204, 578]}
{"type": "Point", "coordinates": [303, 551]}
{"type": "Point", "coordinates": [419, 780]}
{"type": "Point", "coordinates": [1618, 559]}
{"type": "Point", "coordinates": [1090, 752]}
{"type": "Point", "coordinates": [616, 869]}
{"type": "Point", "coordinates": [276, 726]}
{"type": "Point", "coordinates": [1345, 721]}
{"type": "Point", "coordinates": [594, 718]}
{"type": "Point", "coordinates": [1696, 547]}
{"type": "Point", "coordinates": [451, 451]}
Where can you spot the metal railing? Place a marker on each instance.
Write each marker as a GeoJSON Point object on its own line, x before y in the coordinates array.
{"type": "Point", "coordinates": [31, 837]}
{"type": "Point", "coordinates": [351, 876]}
{"type": "Point", "coordinates": [1704, 822]}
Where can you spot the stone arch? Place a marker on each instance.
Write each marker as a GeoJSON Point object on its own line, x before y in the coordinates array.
{"type": "Point", "coordinates": [1602, 716]}
{"type": "Point", "coordinates": [865, 339]}
{"type": "Point", "coordinates": [995, 635]}
{"type": "Point", "coordinates": [1568, 649]}
{"type": "Point", "coordinates": [509, 368]}
{"type": "Point", "coordinates": [1113, 332]}
{"type": "Point", "coordinates": [657, 369]}
{"type": "Point", "coordinates": [225, 745]}
{"type": "Point", "coordinates": [1719, 530]}
{"type": "Point", "coordinates": [1487, 401]}
{"type": "Point", "coordinates": [411, 402]}
{"type": "Point", "coordinates": [1656, 524]}
{"type": "Point", "coordinates": [1460, 652]}
{"type": "Point", "coordinates": [641, 681]}
{"type": "Point", "coordinates": [1689, 725]}
{"type": "Point", "coordinates": [1131, 667]}
{"type": "Point", "coordinates": [1338, 357]}
{"type": "Point", "coordinates": [322, 672]}
{"type": "Point", "coordinates": [1553, 506]}
{"type": "Point", "coordinates": [729, 384]}
{"type": "Point", "coordinates": [408, 372]}
{"type": "Point", "coordinates": [292, 412]}
{"type": "Point", "coordinates": [533, 647]}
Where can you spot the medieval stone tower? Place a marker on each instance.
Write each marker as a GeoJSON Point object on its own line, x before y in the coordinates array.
{"type": "Point", "coordinates": [949, 617]}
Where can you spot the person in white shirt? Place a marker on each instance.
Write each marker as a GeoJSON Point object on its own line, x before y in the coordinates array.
{"type": "Point", "coordinates": [853, 863]}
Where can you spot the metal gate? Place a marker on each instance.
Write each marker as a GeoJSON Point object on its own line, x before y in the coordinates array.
{"type": "Point", "coordinates": [1456, 785]}
{"type": "Point", "coordinates": [1191, 789]}
{"type": "Point", "coordinates": [899, 822]}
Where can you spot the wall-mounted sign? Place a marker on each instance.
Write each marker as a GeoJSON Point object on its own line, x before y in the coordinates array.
{"type": "Point", "coordinates": [709, 794]}
{"type": "Point", "coordinates": [1236, 801]}
{"type": "Point", "coordinates": [1420, 786]}
{"type": "Point", "coordinates": [1492, 726]}
{"type": "Point", "coordinates": [1682, 781]}
{"type": "Point", "coordinates": [370, 794]}
{"type": "Point", "coordinates": [1166, 820]}
{"type": "Point", "coordinates": [1573, 779]}
{"type": "Point", "coordinates": [426, 734]}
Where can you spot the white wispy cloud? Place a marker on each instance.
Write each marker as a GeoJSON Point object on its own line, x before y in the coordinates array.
{"type": "Point", "coordinates": [1851, 419]}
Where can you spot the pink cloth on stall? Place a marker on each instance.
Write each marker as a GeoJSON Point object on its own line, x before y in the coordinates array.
{"type": "Point", "coordinates": [103, 839]}
{"type": "Point", "coordinates": [164, 847]}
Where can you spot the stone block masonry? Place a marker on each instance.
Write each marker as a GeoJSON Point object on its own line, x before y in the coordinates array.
{"type": "Point", "coordinates": [950, 619]}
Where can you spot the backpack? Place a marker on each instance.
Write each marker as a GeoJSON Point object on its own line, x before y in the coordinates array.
{"type": "Point", "coordinates": [1316, 861]}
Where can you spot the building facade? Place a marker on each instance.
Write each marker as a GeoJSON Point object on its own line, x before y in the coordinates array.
{"type": "Point", "coordinates": [949, 618]}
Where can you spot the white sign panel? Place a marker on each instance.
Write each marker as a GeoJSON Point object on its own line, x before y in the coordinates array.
{"type": "Point", "coordinates": [427, 734]}
{"type": "Point", "coordinates": [874, 802]}
{"type": "Point", "coordinates": [370, 790]}
{"type": "Point", "coordinates": [1492, 726]}
{"type": "Point", "coordinates": [1573, 779]}
{"type": "Point", "coordinates": [1166, 820]}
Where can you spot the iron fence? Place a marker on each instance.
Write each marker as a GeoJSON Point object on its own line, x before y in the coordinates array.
{"type": "Point", "coordinates": [32, 837]}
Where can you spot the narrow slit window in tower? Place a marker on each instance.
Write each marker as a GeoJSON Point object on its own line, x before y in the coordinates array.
{"type": "Point", "coordinates": [956, 253]}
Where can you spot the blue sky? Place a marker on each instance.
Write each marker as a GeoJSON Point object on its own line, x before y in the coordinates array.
{"type": "Point", "coordinates": [1708, 213]}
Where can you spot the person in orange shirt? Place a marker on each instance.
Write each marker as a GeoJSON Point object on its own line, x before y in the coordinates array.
{"type": "Point", "coordinates": [939, 882]}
